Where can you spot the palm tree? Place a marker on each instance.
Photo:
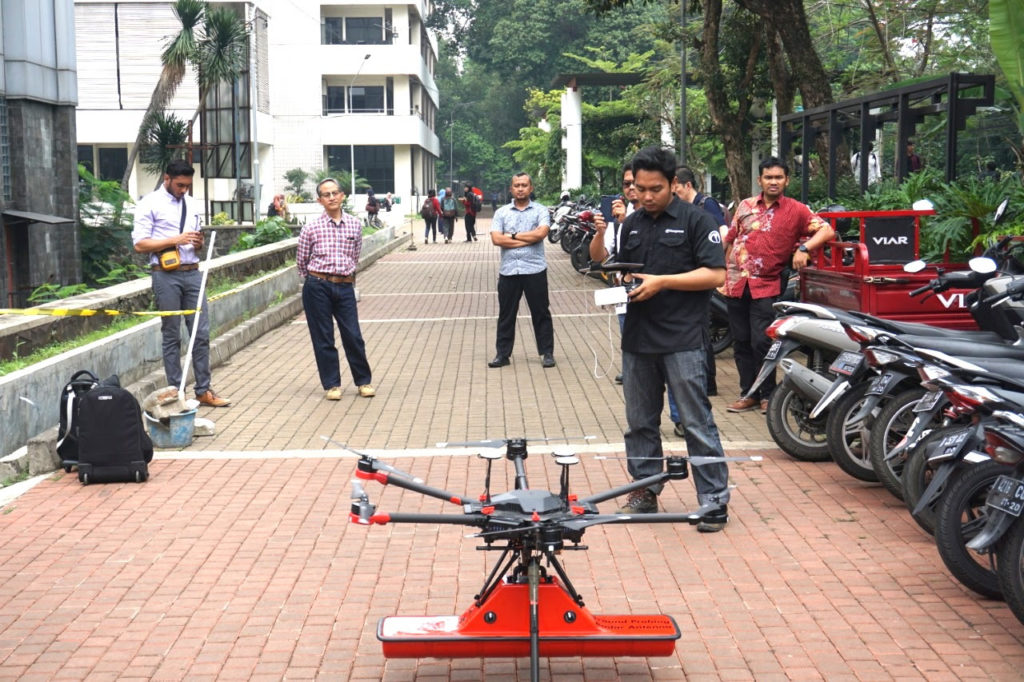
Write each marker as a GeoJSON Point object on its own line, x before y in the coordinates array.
{"type": "Point", "coordinates": [175, 58]}
{"type": "Point", "coordinates": [163, 132]}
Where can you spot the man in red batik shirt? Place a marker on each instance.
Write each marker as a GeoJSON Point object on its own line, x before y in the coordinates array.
{"type": "Point", "coordinates": [769, 232]}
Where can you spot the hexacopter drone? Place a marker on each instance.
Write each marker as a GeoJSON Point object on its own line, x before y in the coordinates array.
{"type": "Point", "coordinates": [522, 609]}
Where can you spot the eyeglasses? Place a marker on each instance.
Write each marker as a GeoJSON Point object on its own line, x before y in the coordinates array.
{"type": "Point", "coordinates": [329, 195]}
{"type": "Point", "coordinates": [627, 183]}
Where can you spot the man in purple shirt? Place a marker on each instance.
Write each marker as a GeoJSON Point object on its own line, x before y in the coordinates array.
{"type": "Point", "coordinates": [327, 256]}
{"type": "Point", "coordinates": [167, 219]}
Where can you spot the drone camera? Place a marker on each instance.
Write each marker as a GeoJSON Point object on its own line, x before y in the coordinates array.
{"type": "Point", "coordinates": [676, 468]}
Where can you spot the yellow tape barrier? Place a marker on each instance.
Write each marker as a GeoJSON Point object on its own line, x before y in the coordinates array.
{"type": "Point", "coordinates": [84, 312]}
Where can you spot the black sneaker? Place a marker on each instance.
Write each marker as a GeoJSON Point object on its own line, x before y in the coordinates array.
{"type": "Point", "coordinates": [618, 378]}
{"type": "Point", "coordinates": [499, 361]}
{"type": "Point", "coordinates": [548, 360]}
{"type": "Point", "coordinates": [640, 502]}
{"type": "Point", "coordinates": [715, 521]}
{"type": "Point", "coordinates": [679, 430]}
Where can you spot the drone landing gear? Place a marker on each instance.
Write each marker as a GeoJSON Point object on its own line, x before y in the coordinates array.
{"type": "Point", "coordinates": [500, 628]}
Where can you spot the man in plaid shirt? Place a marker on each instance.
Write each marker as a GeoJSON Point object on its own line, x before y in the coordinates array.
{"type": "Point", "coordinates": [327, 256]}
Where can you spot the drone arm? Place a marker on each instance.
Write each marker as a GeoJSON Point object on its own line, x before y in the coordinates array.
{"type": "Point", "coordinates": [692, 518]}
{"type": "Point", "coordinates": [386, 478]}
{"type": "Point", "coordinates": [449, 519]}
{"type": "Point", "coordinates": [624, 489]}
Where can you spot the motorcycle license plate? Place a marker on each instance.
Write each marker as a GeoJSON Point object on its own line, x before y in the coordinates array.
{"type": "Point", "coordinates": [773, 351]}
{"type": "Point", "coordinates": [847, 363]}
{"type": "Point", "coordinates": [950, 445]}
{"type": "Point", "coordinates": [881, 384]}
{"type": "Point", "coordinates": [1007, 495]}
{"type": "Point", "coordinates": [928, 402]}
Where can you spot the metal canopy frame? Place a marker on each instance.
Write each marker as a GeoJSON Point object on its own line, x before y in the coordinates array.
{"type": "Point", "coordinates": [959, 95]}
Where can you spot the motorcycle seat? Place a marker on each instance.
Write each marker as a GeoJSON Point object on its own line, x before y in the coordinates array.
{"type": "Point", "coordinates": [921, 329]}
{"type": "Point", "coordinates": [965, 348]}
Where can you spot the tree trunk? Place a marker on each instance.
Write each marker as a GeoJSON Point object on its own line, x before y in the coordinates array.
{"type": "Point", "coordinates": [730, 124]}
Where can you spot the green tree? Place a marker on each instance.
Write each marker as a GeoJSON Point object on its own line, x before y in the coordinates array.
{"type": "Point", "coordinates": [163, 131]}
{"type": "Point", "coordinates": [175, 58]}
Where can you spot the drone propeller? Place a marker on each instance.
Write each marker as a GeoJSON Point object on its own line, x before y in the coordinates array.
{"type": "Point", "coordinates": [376, 462]}
{"type": "Point", "coordinates": [696, 460]}
{"type": "Point", "coordinates": [499, 442]}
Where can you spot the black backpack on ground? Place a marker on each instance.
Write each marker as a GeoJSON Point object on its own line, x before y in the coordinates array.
{"type": "Point", "coordinates": [80, 383]}
{"type": "Point", "coordinates": [113, 445]}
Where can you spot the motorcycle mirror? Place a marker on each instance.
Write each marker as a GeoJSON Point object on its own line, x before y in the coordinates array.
{"type": "Point", "coordinates": [1001, 211]}
{"type": "Point", "coordinates": [915, 266]}
{"type": "Point", "coordinates": [923, 205]}
{"type": "Point", "coordinates": [982, 265]}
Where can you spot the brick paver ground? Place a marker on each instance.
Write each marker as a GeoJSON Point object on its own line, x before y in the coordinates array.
{"type": "Point", "coordinates": [236, 559]}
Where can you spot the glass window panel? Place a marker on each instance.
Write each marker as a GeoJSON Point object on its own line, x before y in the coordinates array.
{"type": "Point", "coordinates": [113, 161]}
{"type": "Point", "coordinates": [332, 31]}
{"type": "Point", "coordinates": [367, 99]}
{"type": "Point", "coordinates": [364, 31]}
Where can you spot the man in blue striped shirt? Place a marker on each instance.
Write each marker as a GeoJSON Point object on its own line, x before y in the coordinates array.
{"type": "Point", "coordinates": [520, 228]}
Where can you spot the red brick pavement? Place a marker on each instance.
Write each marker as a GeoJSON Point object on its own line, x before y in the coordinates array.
{"type": "Point", "coordinates": [236, 559]}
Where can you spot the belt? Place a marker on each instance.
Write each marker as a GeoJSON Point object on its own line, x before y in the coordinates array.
{"type": "Point", "coordinates": [334, 279]}
{"type": "Point", "coordinates": [189, 266]}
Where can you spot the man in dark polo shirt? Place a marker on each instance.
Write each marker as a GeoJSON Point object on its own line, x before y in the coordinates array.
{"type": "Point", "coordinates": [663, 338]}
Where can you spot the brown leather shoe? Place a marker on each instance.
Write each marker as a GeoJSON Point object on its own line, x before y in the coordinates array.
{"type": "Point", "coordinates": [744, 405]}
{"type": "Point", "coordinates": [764, 406]}
{"type": "Point", "coordinates": [211, 399]}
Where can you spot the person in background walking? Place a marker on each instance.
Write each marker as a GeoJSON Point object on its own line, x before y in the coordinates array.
{"type": "Point", "coordinates": [519, 228]}
{"type": "Point", "coordinates": [429, 211]}
{"type": "Point", "coordinates": [165, 219]}
{"type": "Point", "coordinates": [471, 202]}
{"type": "Point", "coordinates": [449, 212]}
{"type": "Point", "coordinates": [326, 257]}
{"type": "Point", "coordinates": [914, 163]}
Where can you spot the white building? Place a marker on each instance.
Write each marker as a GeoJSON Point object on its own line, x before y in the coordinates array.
{"type": "Point", "coordinates": [337, 85]}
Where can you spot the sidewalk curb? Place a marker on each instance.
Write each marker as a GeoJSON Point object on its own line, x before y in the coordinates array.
{"type": "Point", "coordinates": [39, 456]}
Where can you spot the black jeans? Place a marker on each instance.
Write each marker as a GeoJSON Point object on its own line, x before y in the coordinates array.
{"type": "Point", "coordinates": [470, 226]}
{"type": "Point", "coordinates": [748, 320]}
{"type": "Point", "coordinates": [510, 289]}
{"type": "Point", "coordinates": [326, 303]}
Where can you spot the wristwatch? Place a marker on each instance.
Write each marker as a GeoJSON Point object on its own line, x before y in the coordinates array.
{"type": "Point", "coordinates": [514, 236]}
{"type": "Point", "coordinates": [803, 247]}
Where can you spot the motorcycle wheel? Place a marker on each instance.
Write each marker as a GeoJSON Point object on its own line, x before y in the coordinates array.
{"type": "Point", "coordinates": [554, 234]}
{"type": "Point", "coordinates": [1011, 568]}
{"type": "Point", "coordinates": [792, 429]}
{"type": "Point", "coordinates": [580, 257]}
{"type": "Point", "coordinates": [961, 515]}
{"type": "Point", "coordinates": [917, 475]}
{"type": "Point", "coordinates": [570, 240]}
{"type": "Point", "coordinates": [845, 439]}
{"type": "Point", "coordinates": [887, 431]}
{"type": "Point", "coordinates": [721, 337]}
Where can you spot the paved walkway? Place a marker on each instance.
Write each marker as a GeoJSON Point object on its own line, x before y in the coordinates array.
{"type": "Point", "coordinates": [236, 559]}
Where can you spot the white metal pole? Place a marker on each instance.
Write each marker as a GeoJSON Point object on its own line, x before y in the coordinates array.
{"type": "Point", "coordinates": [205, 267]}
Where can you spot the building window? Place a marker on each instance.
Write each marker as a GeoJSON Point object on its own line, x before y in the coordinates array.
{"type": "Point", "coordinates": [332, 32]}
{"type": "Point", "coordinates": [375, 165]}
{"type": "Point", "coordinates": [112, 162]}
{"type": "Point", "coordinates": [85, 157]}
{"type": "Point", "coordinates": [367, 100]}
{"type": "Point", "coordinates": [335, 100]}
{"type": "Point", "coordinates": [364, 31]}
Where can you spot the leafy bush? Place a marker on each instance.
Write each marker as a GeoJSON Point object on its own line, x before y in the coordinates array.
{"type": "Point", "coordinates": [105, 228]}
{"type": "Point", "coordinates": [268, 231]}
{"type": "Point", "coordinates": [222, 218]}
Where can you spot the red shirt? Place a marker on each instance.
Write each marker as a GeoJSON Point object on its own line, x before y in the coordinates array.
{"type": "Point", "coordinates": [763, 240]}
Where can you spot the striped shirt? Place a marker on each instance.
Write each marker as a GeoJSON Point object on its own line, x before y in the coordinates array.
{"type": "Point", "coordinates": [522, 260]}
{"type": "Point", "coordinates": [329, 247]}
{"type": "Point", "coordinates": [158, 216]}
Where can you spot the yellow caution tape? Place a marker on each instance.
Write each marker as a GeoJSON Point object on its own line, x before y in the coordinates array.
{"type": "Point", "coordinates": [78, 312]}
